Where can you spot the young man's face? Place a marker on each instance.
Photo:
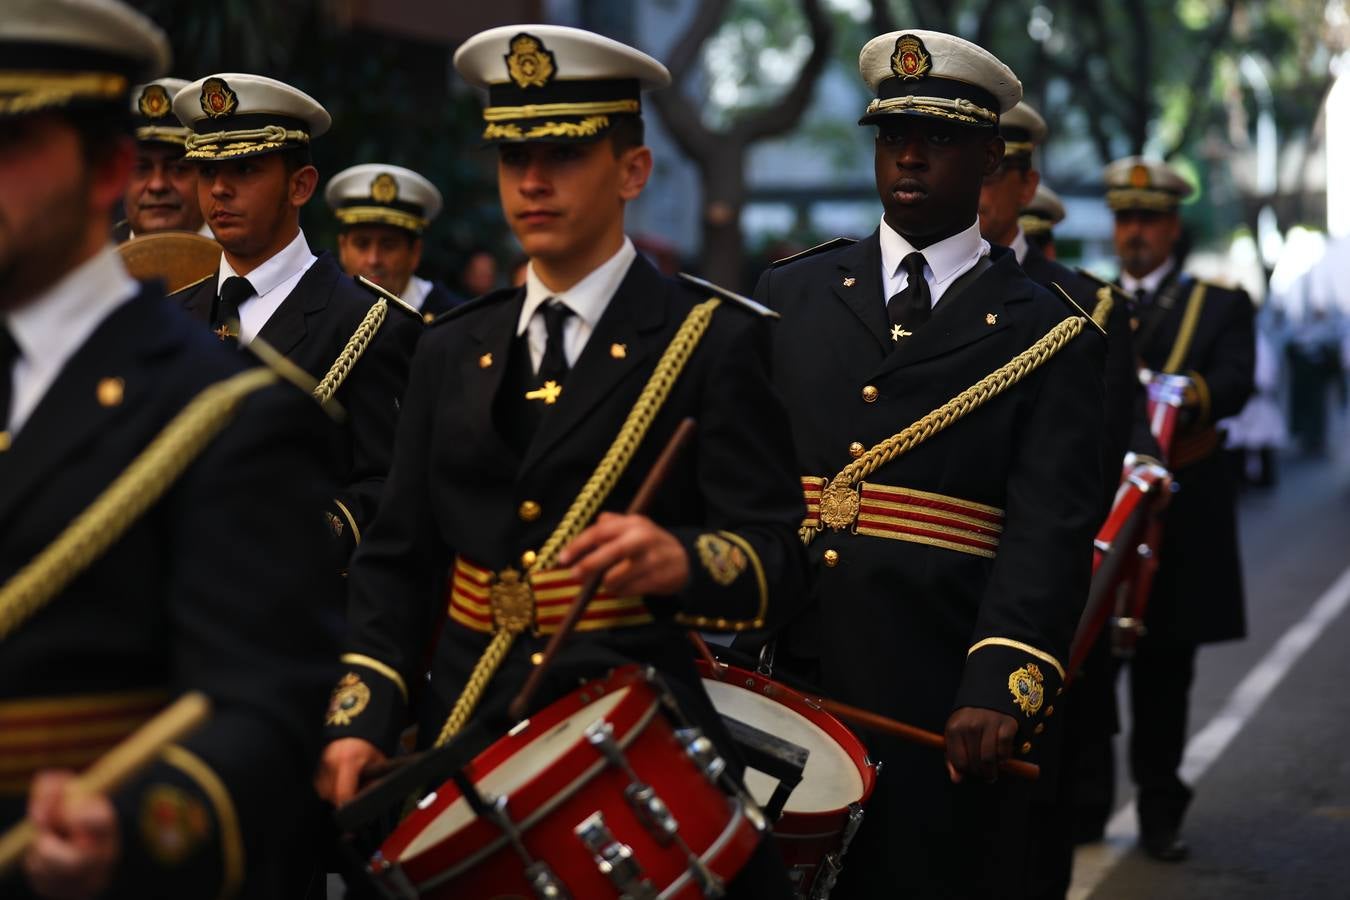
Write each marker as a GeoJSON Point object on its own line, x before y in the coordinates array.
{"type": "Point", "coordinates": [562, 200]}
{"type": "Point", "coordinates": [162, 193]}
{"type": "Point", "coordinates": [929, 174]}
{"type": "Point", "coordinates": [252, 203]}
{"type": "Point", "coordinates": [386, 255]}
{"type": "Point", "coordinates": [1144, 239]}
{"type": "Point", "coordinates": [50, 198]}
{"type": "Point", "coordinates": [1003, 195]}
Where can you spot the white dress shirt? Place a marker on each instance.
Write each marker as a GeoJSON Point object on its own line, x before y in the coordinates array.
{"type": "Point", "coordinates": [415, 294]}
{"type": "Point", "coordinates": [945, 261]}
{"type": "Point", "coordinates": [1150, 282]}
{"type": "Point", "coordinates": [1019, 245]}
{"type": "Point", "coordinates": [272, 283]}
{"type": "Point", "coordinates": [51, 328]}
{"type": "Point", "coordinates": [588, 299]}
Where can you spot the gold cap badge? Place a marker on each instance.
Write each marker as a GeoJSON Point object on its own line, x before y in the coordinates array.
{"type": "Point", "coordinates": [530, 63]}
{"type": "Point", "coordinates": [1139, 177]}
{"type": "Point", "coordinates": [910, 61]}
{"type": "Point", "coordinates": [217, 99]}
{"type": "Point", "coordinates": [154, 102]}
{"type": "Point", "coordinates": [384, 189]}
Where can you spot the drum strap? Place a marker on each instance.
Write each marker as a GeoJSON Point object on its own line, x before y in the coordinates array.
{"type": "Point", "coordinates": [510, 595]}
{"type": "Point", "coordinates": [130, 496]}
{"type": "Point", "coordinates": [839, 501]}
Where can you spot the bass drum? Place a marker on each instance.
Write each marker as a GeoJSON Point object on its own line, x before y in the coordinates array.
{"type": "Point", "coordinates": [824, 811]}
{"type": "Point", "coordinates": [606, 793]}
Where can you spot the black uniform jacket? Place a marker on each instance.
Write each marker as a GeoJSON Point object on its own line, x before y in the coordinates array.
{"type": "Point", "coordinates": [915, 630]}
{"type": "Point", "coordinates": [217, 588]}
{"type": "Point", "coordinates": [1126, 410]}
{"type": "Point", "coordinates": [1197, 595]}
{"type": "Point", "coordinates": [440, 299]}
{"type": "Point", "coordinates": [458, 487]}
{"type": "Point", "coordinates": [311, 327]}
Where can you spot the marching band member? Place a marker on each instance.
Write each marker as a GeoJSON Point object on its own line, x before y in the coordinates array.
{"type": "Point", "coordinates": [162, 192]}
{"type": "Point", "coordinates": [947, 580]}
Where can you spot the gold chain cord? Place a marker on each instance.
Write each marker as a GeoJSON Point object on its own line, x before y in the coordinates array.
{"type": "Point", "coordinates": [591, 496]}
{"type": "Point", "coordinates": [964, 403]}
{"type": "Point", "coordinates": [131, 494]}
{"type": "Point", "coordinates": [356, 345]}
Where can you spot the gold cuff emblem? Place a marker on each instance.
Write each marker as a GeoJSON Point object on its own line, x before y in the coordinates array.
{"type": "Point", "coordinates": [724, 560]}
{"type": "Point", "coordinates": [350, 699]}
{"type": "Point", "coordinates": [910, 61]}
{"type": "Point", "coordinates": [217, 100]}
{"type": "Point", "coordinates": [1028, 688]}
{"type": "Point", "coordinates": [530, 63]}
{"type": "Point", "coordinates": [174, 823]}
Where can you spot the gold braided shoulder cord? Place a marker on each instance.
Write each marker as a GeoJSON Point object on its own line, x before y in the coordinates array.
{"type": "Point", "coordinates": [1187, 331]}
{"type": "Point", "coordinates": [356, 346]}
{"type": "Point", "coordinates": [1106, 302]}
{"type": "Point", "coordinates": [123, 502]}
{"type": "Point", "coordinates": [589, 499]}
{"type": "Point", "coordinates": [839, 500]}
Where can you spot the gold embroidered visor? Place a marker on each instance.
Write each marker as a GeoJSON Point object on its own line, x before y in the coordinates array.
{"type": "Point", "coordinates": [25, 91]}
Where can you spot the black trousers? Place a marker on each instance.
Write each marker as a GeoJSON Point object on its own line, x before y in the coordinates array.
{"type": "Point", "coordinates": [1160, 686]}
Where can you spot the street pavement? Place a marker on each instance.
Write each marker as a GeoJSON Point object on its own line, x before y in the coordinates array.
{"type": "Point", "coordinates": [1271, 817]}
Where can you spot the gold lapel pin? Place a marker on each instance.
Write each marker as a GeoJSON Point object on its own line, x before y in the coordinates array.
{"type": "Point", "coordinates": [485, 361]}
{"type": "Point", "coordinates": [850, 281]}
{"type": "Point", "coordinates": [110, 391]}
{"type": "Point", "coordinates": [618, 351]}
{"type": "Point", "coordinates": [898, 332]}
{"type": "Point", "coordinates": [990, 319]}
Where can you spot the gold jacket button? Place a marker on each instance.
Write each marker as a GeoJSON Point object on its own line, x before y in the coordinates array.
{"type": "Point", "coordinates": [527, 558]}
{"type": "Point", "coordinates": [1049, 711]}
{"type": "Point", "coordinates": [529, 511]}
{"type": "Point", "coordinates": [831, 558]}
{"type": "Point", "coordinates": [1040, 726]}
{"type": "Point", "coordinates": [536, 658]}
{"type": "Point", "coordinates": [870, 394]}
{"type": "Point", "coordinates": [855, 449]}
{"type": "Point", "coordinates": [1026, 748]}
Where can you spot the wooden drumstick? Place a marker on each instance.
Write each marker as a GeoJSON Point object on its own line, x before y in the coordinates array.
{"type": "Point", "coordinates": [1018, 768]}
{"type": "Point", "coordinates": [639, 505]}
{"type": "Point", "coordinates": [120, 764]}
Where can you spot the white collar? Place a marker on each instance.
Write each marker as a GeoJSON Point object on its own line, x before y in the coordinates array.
{"type": "Point", "coordinates": [1150, 282]}
{"type": "Point", "coordinates": [588, 298]}
{"type": "Point", "coordinates": [1019, 245]}
{"type": "Point", "coordinates": [415, 294]}
{"type": "Point", "coordinates": [946, 259]}
{"type": "Point", "coordinates": [292, 258]}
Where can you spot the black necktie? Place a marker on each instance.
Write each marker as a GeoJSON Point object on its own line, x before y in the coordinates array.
{"type": "Point", "coordinates": [912, 306]}
{"type": "Point", "coordinates": [9, 355]}
{"type": "Point", "coordinates": [553, 367]}
{"type": "Point", "coordinates": [225, 318]}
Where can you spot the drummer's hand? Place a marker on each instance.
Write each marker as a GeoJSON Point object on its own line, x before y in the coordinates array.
{"type": "Point", "coordinates": [977, 740]}
{"type": "Point", "coordinates": [340, 768]}
{"type": "Point", "coordinates": [78, 843]}
{"type": "Point", "coordinates": [646, 559]}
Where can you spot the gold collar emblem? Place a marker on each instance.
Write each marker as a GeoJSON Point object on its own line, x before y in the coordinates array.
{"type": "Point", "coordinates": [530, 63]}
{"type": "Point", "coordinates": [850, 281]}
{"type": "Point", "coordinates": [991, 318]}
{"type": "Point", "coordinates": [910, 61]}
{"type": "Point", "coordinates": [217, 99]}
{"type": "Point", "coordinates": [384, 189]}
{"type": "Point", "coordinates": [154, 102]}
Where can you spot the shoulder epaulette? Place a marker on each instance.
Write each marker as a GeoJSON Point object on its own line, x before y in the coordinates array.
{"type": "Point", "coordinates": [470, 305]}
{"type": "Point", "coordinates": [818, 248]}
{"type": "Point", "coordinates": [395, 301]}
{"type": "Point", "coordinates": [1073, 305]}
{"type": "Point", "coordinates": [1102, 282]}
{"type": "Point", "coordinates": [746, 302]}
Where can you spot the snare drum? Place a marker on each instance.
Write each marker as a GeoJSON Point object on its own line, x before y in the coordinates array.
{"type": "Point", "coordinates": [824, 811]}
{"type": "Point", "coordinates": [605, 793]}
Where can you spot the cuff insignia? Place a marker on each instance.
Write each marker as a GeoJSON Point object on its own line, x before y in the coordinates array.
{"type": "Point", "coordinates": [173, 824]}
{"type": "Point", "coordinates": [349, 700]}
{"type": "Point", "coordinates": [724, 560]}
{"type": "Point", "coordinates": [1028, 688]}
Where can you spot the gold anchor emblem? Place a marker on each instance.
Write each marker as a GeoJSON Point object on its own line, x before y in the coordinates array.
{"type": "Point", "coordinates": [898, 332]}
{"type": "Point", "coordinates": [549, 393]}
{"type": "Point", "coordinates": [850, 281]}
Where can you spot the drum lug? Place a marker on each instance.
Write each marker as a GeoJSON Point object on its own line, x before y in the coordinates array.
{"type": "Point", "coordinates": [826, 876]}
{"type": "Point", "coordinates": [651, 810]}
{"type": "Point", "coordinates": [390, 880]}
{"type": "Point", "coordinates": [703, 752]}
{"type": "Point", "coordinates": [614, 859]}
{"type": "Point", "coordinates": [855, 819]}
{"type": "Point", "coordinates": [546, 884]}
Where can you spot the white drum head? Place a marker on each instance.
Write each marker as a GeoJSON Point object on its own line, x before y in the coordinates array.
{"type": "Point", "coordinates": [831, 780]}
{"type": "Point", "coordinates": [528, 762]}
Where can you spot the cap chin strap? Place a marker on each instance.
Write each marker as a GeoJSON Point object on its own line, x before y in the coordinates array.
{"type": "Point", "coordinates": [943, 107]}
{"type": "Point", "coordinates": [269, 134]}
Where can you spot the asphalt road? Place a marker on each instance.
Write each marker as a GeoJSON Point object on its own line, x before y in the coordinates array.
{"type": "Point", "coordinates": [1271, 817]}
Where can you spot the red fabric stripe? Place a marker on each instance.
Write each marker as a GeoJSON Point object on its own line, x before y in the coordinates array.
{"type": "Point", "coordinates": [953, 506]}
{"type": "Point", "coordinates": [970, 540]}
{"type": "Point", "coordinates": [873, 516]}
